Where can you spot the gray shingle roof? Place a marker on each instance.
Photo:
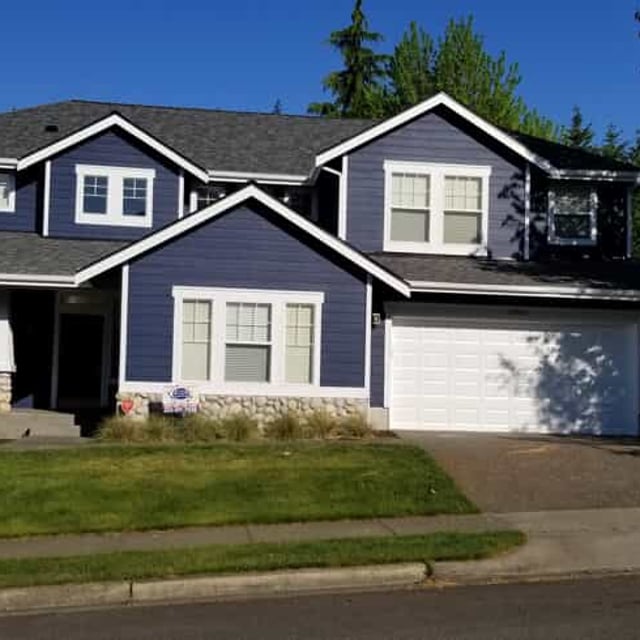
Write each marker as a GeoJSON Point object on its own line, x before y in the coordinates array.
{"type": "Point", "coordinates": [460, 270]}
{"type": "Point", "coordinates": [231, 140]}
{"type": "Point", "coordinates": [215, 140]}
{"type": "Point", "coordinates": [31, 254]}
{"type": "Point", "coordinates": [563, 157]}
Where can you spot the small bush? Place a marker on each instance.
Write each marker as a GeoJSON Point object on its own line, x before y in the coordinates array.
{"type": "Point", "coordinates": [321, 424]}
{"type": "Point", "coordinates": [119, 429]}
{"type": "Point", "coordinates": [238, 427]}
{"type": "Point", "coordinates": [198, 428]}
{"type": "Point", "coordinates": [159, 428]}
{"type": "Point", "coordinates": [354, 425]}
{"type": "Point", "coordinates": [286, 426]}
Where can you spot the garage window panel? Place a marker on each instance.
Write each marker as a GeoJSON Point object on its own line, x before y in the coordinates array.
{"type": "Point", "coordinates": [436, 208]}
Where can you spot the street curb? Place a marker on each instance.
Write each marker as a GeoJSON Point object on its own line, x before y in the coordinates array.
{"type": "Point", "coordinates": [212, 587]}
{"type": "Point", "coordinates": [443, 576]}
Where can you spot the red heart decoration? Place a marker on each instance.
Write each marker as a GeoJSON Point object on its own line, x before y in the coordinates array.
{"type": "Point", "coordinates": [126, 406]}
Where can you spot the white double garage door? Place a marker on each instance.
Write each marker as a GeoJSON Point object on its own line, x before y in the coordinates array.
{"type": "Point", "coordinates": [519, 370]}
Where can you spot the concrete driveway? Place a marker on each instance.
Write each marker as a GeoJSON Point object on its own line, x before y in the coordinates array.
{"type": "Point", "coordinates": [507, 473]}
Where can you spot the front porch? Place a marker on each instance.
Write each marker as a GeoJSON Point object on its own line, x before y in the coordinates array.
{"type": "Point", "coordinates": [59, 354]}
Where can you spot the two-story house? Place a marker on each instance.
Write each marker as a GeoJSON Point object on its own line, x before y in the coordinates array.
{"type": "Point", "coordinates": [431, 269]}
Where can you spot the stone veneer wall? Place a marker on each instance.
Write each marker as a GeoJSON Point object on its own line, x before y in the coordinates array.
{"type": "Point", "coordinates": [262, 408]}
{"type": "Point", "coordinates": [5, 392]}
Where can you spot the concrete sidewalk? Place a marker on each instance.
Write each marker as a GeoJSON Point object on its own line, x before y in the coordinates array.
{"type": "Point", "coordinates": [584, 537]}
{"type": "Point", "coordinates": [560, 544]}
{"type": "Point", "coordinates": [72, 545]}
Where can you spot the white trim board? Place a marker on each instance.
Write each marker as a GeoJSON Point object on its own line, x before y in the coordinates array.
{"type": "Point", "coordinates": [113, 120]}
{"type": "Point", "coordinates": [440, 99]}
{"type": "Point", "coordinates": [266, 178]}
{"type": "Point", "coordinates": [208, 213]}
{"type": "Point", "coordinates": [573, 293]}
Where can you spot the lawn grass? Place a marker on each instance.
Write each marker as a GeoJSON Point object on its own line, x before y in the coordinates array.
{"type": "Point", "coordinates": [115, 488]}
{"type": "Point", "coordinates": [137, 565]}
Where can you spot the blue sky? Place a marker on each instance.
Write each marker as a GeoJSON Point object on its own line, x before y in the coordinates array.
{"type": "Point", "coordinates": [246, 54]}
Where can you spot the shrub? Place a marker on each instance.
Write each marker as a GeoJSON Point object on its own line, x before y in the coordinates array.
{"type": "Point", "coordinates": [354, 425]}
{"type": "Point", "coordinates": [286, 426]}
{"type": "Point", "coordinates": [118, 429]}
{"type": "Point", "coordinates": [159, 428]}
{"type": "Point", "coordinates": [238, 427]}
{"type": "Point", "coordinates": [198, 428]}
{"type": "Point", "coordinates": [321, 424]}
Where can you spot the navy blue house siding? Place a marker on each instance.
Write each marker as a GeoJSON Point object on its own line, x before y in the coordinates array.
{"type": "Point", "coordinates": [24, 218]}
{"type": "Point", "coordinates": [377, 365]}
{"type": "Point", "coordinates": [435, 137]}
{"type": "Point", "coordinates": [246, 248]}
{"type": "Point", "coordinates": [115, 150]}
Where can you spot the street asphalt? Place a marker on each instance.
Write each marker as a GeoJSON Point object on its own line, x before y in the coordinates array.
{"type": "Point", "coordinates": [580, 610]}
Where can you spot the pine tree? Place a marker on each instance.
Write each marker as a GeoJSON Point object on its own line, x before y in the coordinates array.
{"type": "Point", "coordinates": [578, 134]}
{"type": "Point", "coordinates": [357, 88]}
{"type": "Point", "coordinates": [469, 74]}
{"type": "Point", "coordinates": [410, 70]}
{"type": "Point", "coordinates": [277, 107]}
{"type": "Point", "coordinates": [613, 145]}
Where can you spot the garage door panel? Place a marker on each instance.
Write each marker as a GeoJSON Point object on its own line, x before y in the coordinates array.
{"type": "Point", "coordinates": [560, 377]}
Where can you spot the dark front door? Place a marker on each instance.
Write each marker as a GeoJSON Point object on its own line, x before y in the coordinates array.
{"type": "Point", "coordinates": [80, 361]}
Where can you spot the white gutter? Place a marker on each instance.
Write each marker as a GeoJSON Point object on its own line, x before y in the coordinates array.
{"type": "Point", "coordinates": [265, 178]}
{"type": "Point", "coordinates": [37, 280]}
{"type": "Point", "coordinates": [8, 163]}
{"type": "Point", "coordinates": [574, 293]}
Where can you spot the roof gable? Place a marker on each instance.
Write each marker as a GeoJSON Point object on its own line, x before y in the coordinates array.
{"type": "Point", "coordinates": [194, 220]}
{"type": "Point", "coordinates": [110, 121]}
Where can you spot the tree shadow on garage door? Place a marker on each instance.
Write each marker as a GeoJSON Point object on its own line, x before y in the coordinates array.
{"type": "Point", "coordinates": [580, 385]}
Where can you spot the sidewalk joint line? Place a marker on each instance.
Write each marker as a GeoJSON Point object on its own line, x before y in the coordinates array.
{"type": "Point", "coordinates": [386, 526]}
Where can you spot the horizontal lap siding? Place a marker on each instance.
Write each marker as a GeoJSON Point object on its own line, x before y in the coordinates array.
{"type": "Point", "coordinates": [244, 249]}
{"type": "Point", "coordinates": [24, 218]}
{"type": "Point", "coordinates": [114, 150]}
{"type": "Point", "coordinates": [440, 139]}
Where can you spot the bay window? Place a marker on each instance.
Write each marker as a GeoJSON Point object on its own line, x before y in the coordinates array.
{"type": "Point", "coordinates": [231, 338]}
{"type": "Point", "coordinates": [436, 208]}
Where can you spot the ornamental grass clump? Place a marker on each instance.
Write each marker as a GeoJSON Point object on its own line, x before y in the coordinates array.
{"type": "Point", "coordinates": [286, 426]}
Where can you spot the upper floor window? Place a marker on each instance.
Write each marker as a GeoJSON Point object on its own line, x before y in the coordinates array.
{"type": "Point", "coordinates": [233, 337]}
{"type": "Point", "coordinates": [573, 214]}
{"type": "Point", "coordinates": [7, 192]}
{"type": "Point", "coordinates": [209, 194]}
{"type": "Point", "coordinates": [117, 196]}
{"type": "Point", "coordinates": [436, 208]}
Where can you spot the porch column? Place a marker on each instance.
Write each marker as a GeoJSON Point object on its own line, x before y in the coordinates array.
{"type": "Point", "coordinates": [7, 362]}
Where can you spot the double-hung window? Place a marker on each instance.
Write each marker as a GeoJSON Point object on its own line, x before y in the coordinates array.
{"type": "Point", "coordinates": [7, 192]}
{"type": "Point", "coordinates": [572, 214]}
{"type": "Point", "coordinates": [231, 338]}
{"type": "Point", "coordinates": [436, 208]}
{"type": "Point", "coordinates": [117, 196]}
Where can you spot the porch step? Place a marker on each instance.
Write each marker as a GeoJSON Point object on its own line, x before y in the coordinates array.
{"type": "Point", "coordinates": [33, 422]}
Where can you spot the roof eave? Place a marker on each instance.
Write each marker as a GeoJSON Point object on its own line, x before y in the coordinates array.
{"type": "Point", "coordinates": [526, 291]}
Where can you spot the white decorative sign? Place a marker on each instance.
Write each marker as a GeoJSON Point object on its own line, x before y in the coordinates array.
{"type": "Point", "coordinates": [180, 400]}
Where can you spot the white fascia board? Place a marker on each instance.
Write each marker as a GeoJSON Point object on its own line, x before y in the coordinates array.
{"type": "Point", "coordinates": [266, 178]}
{"type": "Point", "coordinates": [574, 293]}
{"type": "Point", "coordinates": [251, 191]}
{"type": "Point", "coordinates": [113, 120]}
{"type": "Point", "coordinates": [601, 175]}
{"type": "Point", "coordinates": [8, 163]}
{"type": "Point", "coordinates": [440, 99]}
{"type": "Point", "coordinates": [37, 280]}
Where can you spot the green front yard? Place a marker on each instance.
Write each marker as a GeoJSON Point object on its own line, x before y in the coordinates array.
{"type": "Point", "coordinates": [138, 565]}
{"type": "Point", "coordinates": [126, 488]}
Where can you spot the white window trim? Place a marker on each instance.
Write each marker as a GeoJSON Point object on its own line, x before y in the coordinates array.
{"type": "Point", "coordinates": [11, 208]}
{"type": "Point", "coordinates": [573, 242]}
{"type": "Point", "coordinates": [115, 178]}
{"type": "Point", "coordinates": [437, 173]}
{"type": "Point", "coordinates": [219, 297]}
